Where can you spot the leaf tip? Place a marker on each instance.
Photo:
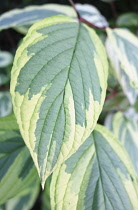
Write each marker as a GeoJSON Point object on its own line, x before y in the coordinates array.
{"type": "Point", "coordinates": [43, 185]}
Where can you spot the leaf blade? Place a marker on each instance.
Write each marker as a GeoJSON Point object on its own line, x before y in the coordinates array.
{"type": "Point", "coordinates": [126, 46]}
{"type": "Point", "coordinates": [15, 18]}
{"type": "Point", "coordinates": [123, 78]}
{"type": "Point", "coordinates": [65, 111]}
{"type": "Point", "coordinates": [15, 178]}
{"type": "Point", "coordinates": [126, 130]}
{"type": "Point", "coordinates": [97, 176]}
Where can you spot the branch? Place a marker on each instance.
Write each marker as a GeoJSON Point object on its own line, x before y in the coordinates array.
{"type": "Point", "coordinates": [112, 95]}
{"type": "Point", "coordinates": [91, 24]}
{"type": "Point", "coordinates": [73, 5]}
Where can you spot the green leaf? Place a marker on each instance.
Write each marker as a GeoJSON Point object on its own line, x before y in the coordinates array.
{"type": "Point", "coordinates": [17, 172]}
{"type": "Point", "coordinates": [5, 104]}
{"type": "Point", "coordinates": [113, 103]}
{"type": "Point", "coordinates": [128, 20]}
{"type": "Point", "coordinates": [58, 87]}
{"type": "Point", "coordinates": [23, 29]}
{"type": "Point", "coordinates": [121, 75]}
{"type": "Point", "coordinates": [46, 205]}
{"type": "Point", "coordinates": [126, 130]}
{"type": "Point", "coordinates": [25, 202]}
{"type": "Point", "coordinates": [125, 44]}
{"type": "Point", "coordinates": [3, 78]}
{"type": "Point", "coordinates": [98, 176]}
{"type": "Point", "coordinates": [8, 123]}
{"type": "Point", "coordinates": [6, 58]}
{"type": "Point", "coordinates": [31, 14]}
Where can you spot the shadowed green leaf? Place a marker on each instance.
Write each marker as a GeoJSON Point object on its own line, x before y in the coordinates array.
{"type": "Point", "coordinates": [25, 202]}
{"type": "Point", "coordinates": [46, 195]}
{"type": "Point", "coordinates": [5, 103]}
{"type": "Point", "coordinates": [8, 123]}
{"type": "Point", "coordinates": [3, 78]}
{"type": "Point", "coordinates": [128, 20]}
{"type": "Point", "coordinates": [6, 58]}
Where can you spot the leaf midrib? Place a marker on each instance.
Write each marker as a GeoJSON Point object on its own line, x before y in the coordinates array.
{"type": "Point", "coordinates": [75, 46]}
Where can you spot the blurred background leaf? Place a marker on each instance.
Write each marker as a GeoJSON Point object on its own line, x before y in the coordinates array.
{"type": "Point", "coordinates": [5, 103]}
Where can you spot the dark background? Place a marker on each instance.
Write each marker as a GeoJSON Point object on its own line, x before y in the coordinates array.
{"type": "Point", "coordinates": [9, 39]}
{"type": "Point", "coordinates": [121, 5]}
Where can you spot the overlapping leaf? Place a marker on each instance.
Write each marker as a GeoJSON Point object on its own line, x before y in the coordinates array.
{"type": "Point", "coordinates": [17, 173]}
{"type": "Point", "coordinates": [31, 14]}
{"type": "Point", "coordinates": [126, 130]}
{"type": "Point", "coordinates": [98, 176]}
{"type": "Point", "coordinates": [21, 19]}
{"type": "Point", "coordinates": [58, 87]}
{"type": "Point", "coordinates": [120, 74]}
{"type": "Point", "coordinates": [92, 14]}
{"type": "Point", "coordinates": [125, 45]}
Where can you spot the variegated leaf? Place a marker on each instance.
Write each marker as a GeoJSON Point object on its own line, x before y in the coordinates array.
{"type": "Point", "coordinates": [17, 174]}
{"type": "Point", "coordinates": [121, 75]}
{"type": "Point", "coordinates": [98, 176]}
{"type": "Point", "coordinates": [58, 88]}
{"type": "Point", "coordinates": [92, 14]}
{"type": "Point", "coordinates": [21, 19]}
{"type": "Point", "coordinates": [125, 45]}
{"type": "Point", "coordinates": [126, 130]}
{"type": "Point", "coordinates": [31, 14]}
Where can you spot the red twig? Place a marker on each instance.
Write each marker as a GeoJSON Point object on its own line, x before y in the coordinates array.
{"type": "Point", "coordinates": [2, 87]}
{"type": "Point", "coordinates": [73, 5]}
{"type": "Point", "coordinates": [112, 95]}
{"type": "Point", "coordinates": [91, 24]}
